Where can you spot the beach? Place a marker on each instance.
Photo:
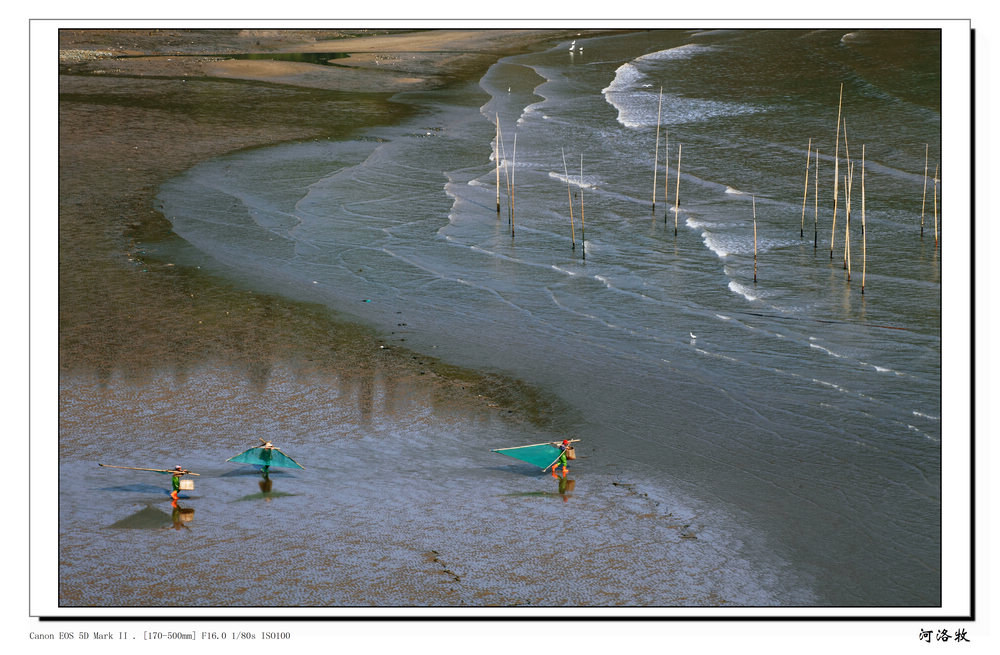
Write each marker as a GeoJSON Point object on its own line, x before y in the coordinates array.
{"type": "Point", "coordinates": [125, 128]}
{"type": "Point", "coordinates": [162, 364]}
{"type": "Point", "coordinates": [297, 237]}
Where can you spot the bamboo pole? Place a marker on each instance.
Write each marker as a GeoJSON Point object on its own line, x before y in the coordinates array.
{"type": "Point", "coordinates": [864, 231]}
{"type": "Point", "coordinates": [134, 468]}
{"type": "Point", "coordinates": [513, 169]}
{"type": "Point", "coordinates": [935, 206]}
{"type": "Point", "coordinates": [498, 164]}
{"type": "Point", "coordinates": [569, 194]}
{"type": "Point", "coordinates": [666, 174]}
{"type": "Point", "coordinates": [547, 443]}
{"type": "Point", "coordinates": [847, 216]}
{"type": "Point", "coordinates": [656, 151]}
{"type": "Point", "coordinates": [583, 222]}
{"type": "Point", "coordinates": [805, 191]}
{"type": "Point", "coordinates": [677, 191]}
{"type": "Point", "coordinates": [506, 172]}
{"type": "Point", "coordinates": [836, 172]}
{"type": "Point", "coordinates": [754, 198]}
{"type": "Point", "coordinates": [848, 183]}
{"type": "Point", "coordinates": [847, 219]}
{"type": "Point", "coordinates": [816, 203]}
{"type": "Point", "coordinates": [847, 146]}
{"type": "Point", "coordinates": [923, 202]}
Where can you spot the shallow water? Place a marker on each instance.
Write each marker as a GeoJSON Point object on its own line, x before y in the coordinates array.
{"type": "Point", "coordinates": [793, 420]}
{"type": "Point", "coordinates": [398, 506]}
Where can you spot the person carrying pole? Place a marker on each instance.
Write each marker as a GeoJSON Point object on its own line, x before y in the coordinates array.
{"type": "Point", "coordinates": [175, 481]}
{"type": "Point", "coordinates": [562, 461]}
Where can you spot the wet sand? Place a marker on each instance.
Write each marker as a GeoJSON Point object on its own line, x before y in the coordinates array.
{"type": "Point", "coordinates": [128, 124]}
{"type": "Point", "coordinates": [162, 364]}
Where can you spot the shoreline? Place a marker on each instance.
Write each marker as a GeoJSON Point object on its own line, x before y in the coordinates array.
{"type": "Point", "coordinates": [207, 363]}
{"type": "Point", "coordinates": [160, 363]}
{"type": "Point", "coordinates": [161, 358]}
{"type": "Point", "coordinates": [134, 113]}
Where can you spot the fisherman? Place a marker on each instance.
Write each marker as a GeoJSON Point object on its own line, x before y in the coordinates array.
{"type": "Point", "coordinates": [175, 481]}
{"type": "Point", "coordinates": [176, 473]}
{"type": "Point", "coordinates": [564, 446]}
{"type": "Point", "coordinates": [268, 446]}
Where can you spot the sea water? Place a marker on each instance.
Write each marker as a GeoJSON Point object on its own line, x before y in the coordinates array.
{"type": "Point", "coordinates": [714, 346]}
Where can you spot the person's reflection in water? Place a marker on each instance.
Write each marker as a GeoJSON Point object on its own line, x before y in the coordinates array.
{"type": "Point", "coordinates": [180, 516]}
{"type": "Point", "coordinates": [566, 488]}
{"type": "Point", "coordinates": [265, 482]}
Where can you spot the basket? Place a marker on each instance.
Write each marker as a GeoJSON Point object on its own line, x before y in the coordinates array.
{"type": "Point", "coordinates": [187, 485]}
{"type": "Point", "coordinates": [570, 453]}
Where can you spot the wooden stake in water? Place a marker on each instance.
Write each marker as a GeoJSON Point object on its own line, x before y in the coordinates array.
{"type": "Point", "coordinates": [864, 232]}
{"type": "Point", "coordinates": [848, 182]}
{"type": "Point", "coordinates": [677, 191]}
{"type": "Point", "coordinates": [923, 202]}
{"type": "Point", "coordinates": [498, 165]}
{"type": "Point", "coordinates": [583, 223]}
{"type": "Point", "coordinates": [805, 191]}
{"type": "Point", "coordinates": [816, 203]}
{"type": "Point", "coordinates": [569, 194]}
{"type": "Point", "coordinates": [935, 206]}
{"type": "Point", "coordinates": [506, 171]}
{"type": "Point", "coordinates": [847, 216]}
{"type": "Point", "coordinates": [656, 151]}
{"type": "Point", "coordinates": [666, 174]}
{"type": "Point", "coordinates": [754, 198]}
{"type": "Point", "coordinates": [836, 172]}
{"type": "Point", "coordinates": [513, 169]}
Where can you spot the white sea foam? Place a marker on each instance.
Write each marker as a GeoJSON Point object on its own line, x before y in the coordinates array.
{"type": "Point", "coordinates": [685, 51]}
{"type": "Point", "coordinates": [627, 76]}
{"type": "Point", "coordinates": [929, 437]}
{"type": "Point", "coordinates": [638, 108]}
{"type": "Point", "coordinates": [603, 280]}
{"type": "Point", "coordinates": [832, 385]}
{"type": "Point", "coordinates": [726, 244]}
{"type": "Point", "coordinates": [637, 98]}
{"type": "Point", "coordinates": [743, 290]}
{"type": "Point", "coordinates": [714, 244]}
{"type": "Point", "coordinates": [826, 350]}
{"type": "Point", "coordinates": [575, 180]}
{"type": "Point", "coordinates": [702, 351]}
